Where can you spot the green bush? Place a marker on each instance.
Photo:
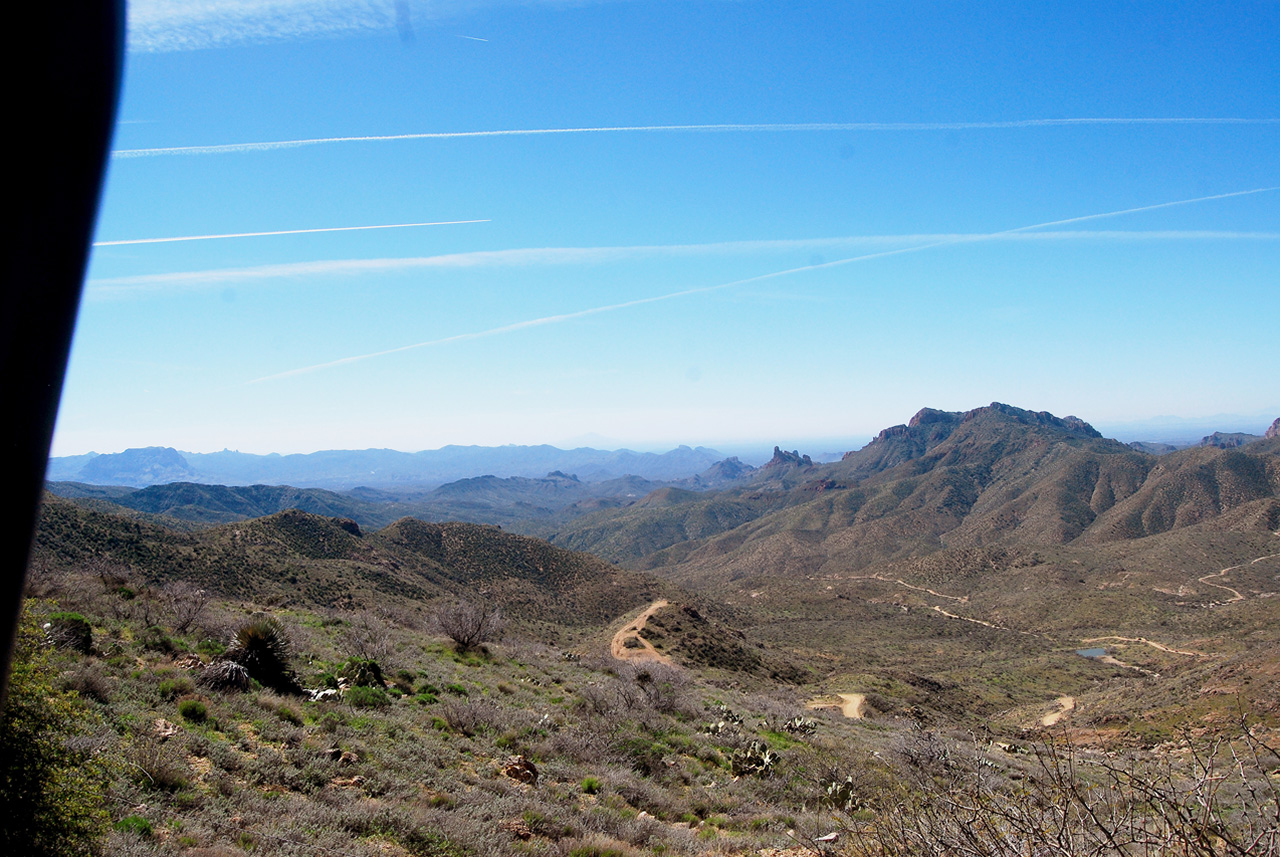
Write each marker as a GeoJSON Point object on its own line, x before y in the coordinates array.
{"type": "Point", "coordinates": [134, 824]}
{"type": "Point", "coordinates": [172, 688]}
{"type": "Point", "coordinates": [210, 647]}
{"type": "Point", "coordinates": [193, 710]}
{"type": "Point", "coordinates": [366, 697]}
{"type": "Point", "coordinates": [591, 785]}
{"type": "Point", "coordinates": [155, 639]}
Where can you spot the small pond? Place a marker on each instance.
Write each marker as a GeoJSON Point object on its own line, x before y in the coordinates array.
{"type": "Point", "coordinates": [1091, 653]}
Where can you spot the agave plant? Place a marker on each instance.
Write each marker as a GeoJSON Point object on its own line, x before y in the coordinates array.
{"type": "Point", "coordinates": [261, 646]}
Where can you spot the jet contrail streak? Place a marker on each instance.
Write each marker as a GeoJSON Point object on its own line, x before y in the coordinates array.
{"type": "Point", "coordinates": [556, 319]}
{"type": "Point", "coordinates": [1141, 208]}
{"type": "Point", "coordinates": [278, 232]}
{"type": "Point", "coordinates": [776, 127]}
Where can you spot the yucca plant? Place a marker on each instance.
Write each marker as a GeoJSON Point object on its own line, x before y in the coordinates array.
{"type": "Point", "coordinates": [224, 676]}
{"type": "Point", "coordinates": [261, 646]}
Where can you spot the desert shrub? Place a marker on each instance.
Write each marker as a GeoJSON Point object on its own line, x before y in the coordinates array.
{"type": "Point", "coordinates": [261, 646]}
{"type": "Point", "coordinates": [156, 764]}
{"type": "Point", "coordinates": [289, 715]}
{"type": "Point", "coordinates": [404, 681]}
{"type": "Point", "coordinates": [663, 687]}
{"type": "Point", "coordinates": [211, 647]}
{"type": "Point", "coordinates": [50, 790]}
{"type": "Point", "coordinates": [469, 718]}
{"type": "Point", "coordinates": [172, 688]}
{"type": "Point", "coordinates": [597, 846]}
{"type": "Point", "coordinates": [1216, 800]}
{"type": "Point", "coordinates": [591, 785]}
{"type": "Point", "coordinates": [645, 756]}
{"type": "Point", "coordinates": [185, 604]}
{"type": "Point", "coordinates": [89, 682]}
{"type": "Point", "coordinates": [193, 710]}
{"type": "Point", "coordinates": [155, 639]}
{"type": "Point", "coordinates": [469, 623]}
{"type": "Point", "coordinates": [224, 676]}
{"type": "Point", "coordinates": [71, 631]}
{"type": "Point", "coordinates": [362, 696]}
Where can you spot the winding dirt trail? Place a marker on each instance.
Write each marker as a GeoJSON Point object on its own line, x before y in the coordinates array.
{"type": "Point", "coordinates": [991, 625]}
{"type": "Point", "coordinates": [1236, 595]}
{"type": "Point", "coordinates": [645, 652]}
{"type": "Point", "coordinates": [963, 599]}
{"type": "Point", "coordinates": [1065, 704]}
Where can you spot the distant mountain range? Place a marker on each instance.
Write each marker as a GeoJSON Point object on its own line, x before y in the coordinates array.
{"type": "Point", "coordinates": [375, 468]}
{"type": "Point", "coordinates": [956, 563]}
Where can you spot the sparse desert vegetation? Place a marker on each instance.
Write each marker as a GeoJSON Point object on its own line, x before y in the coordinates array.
{"type": "Point", "coordinates": [915, 659]}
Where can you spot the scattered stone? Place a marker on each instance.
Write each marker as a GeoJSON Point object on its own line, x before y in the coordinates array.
{"type": "Point", "coordinates": [348, 758]}
{"type": "Point", "coordinates": [521, 770]}
{"type": "Point", "coordinates": [165, 729]}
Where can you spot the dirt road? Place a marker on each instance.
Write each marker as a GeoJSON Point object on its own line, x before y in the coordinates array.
{"type": "Point", "coordinates": [1065, 704]}
{"type": "Point", "coordinates": [645, 651]}
{"type": "Point", "coordinates": [850, 704]}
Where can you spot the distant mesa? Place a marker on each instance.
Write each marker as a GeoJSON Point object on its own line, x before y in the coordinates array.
{"type": "Point", "coordinates": [1274, 431]}
{"type": "Point", "coordinates": [150, 465]}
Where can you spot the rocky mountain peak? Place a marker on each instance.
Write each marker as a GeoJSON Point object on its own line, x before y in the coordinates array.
{"type": "Point", "coordinates": [782, 458]}
{"type": "Point", "coordinates": [1033, 418]}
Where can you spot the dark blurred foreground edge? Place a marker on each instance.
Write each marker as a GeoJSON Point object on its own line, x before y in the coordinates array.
{"type": "Point", "coordinates": [62, 68]}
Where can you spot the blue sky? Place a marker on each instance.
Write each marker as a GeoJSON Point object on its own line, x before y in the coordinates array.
{"type": "Point", "coordinates": [792, 223]}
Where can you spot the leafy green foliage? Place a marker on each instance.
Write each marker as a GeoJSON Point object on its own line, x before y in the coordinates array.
{"type": "Point", "coordinates": [51, 792]}
{"type": "Point", "coordinates": [134, 824]}
{"type": "Point", "coordinates": [193, 710]}
{"type": "Point", "coordinates": [363, 696]}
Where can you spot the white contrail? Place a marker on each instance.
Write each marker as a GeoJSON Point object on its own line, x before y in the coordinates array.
{"type": "Point", "coordinates": [775, 127]}
{"type": "Point", "coordinates": [1145, 208]}
{"type": "Point", "coordinates": [556, 319]}
{"type": "Point", "coordinates": [548, 256]}
{"type": "Point", "coordinates": [278, 232]}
